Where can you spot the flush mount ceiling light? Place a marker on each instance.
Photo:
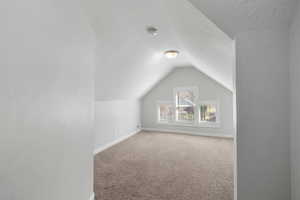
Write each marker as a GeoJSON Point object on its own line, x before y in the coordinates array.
{"type": "Point", "coordinates": [152, 30]}
{"type": "Point", "coordinates": [171, 54]}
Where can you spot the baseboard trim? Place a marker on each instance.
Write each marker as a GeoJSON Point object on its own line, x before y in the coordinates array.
{"type": "Point", "coordinates": [92, 196]}
{"type": "Point", "coordinates": [102, 148]}
{"type": "Point", "coordinates": [188, 133]}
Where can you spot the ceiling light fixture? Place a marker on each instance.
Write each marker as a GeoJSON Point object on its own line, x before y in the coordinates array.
{"type": "Point", "coordinates": [171, 54]}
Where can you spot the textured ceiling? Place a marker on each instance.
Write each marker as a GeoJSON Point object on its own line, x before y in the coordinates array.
{"type": "Point", "coordinates": [235, 16]}
{"type": "Point", "coordinates": [130, 62]}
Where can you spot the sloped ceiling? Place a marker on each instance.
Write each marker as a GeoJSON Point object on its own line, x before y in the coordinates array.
{"type": "Point", "coordinates": [234, 16]}
{"type": "Point", "coordinates": [129, 61]}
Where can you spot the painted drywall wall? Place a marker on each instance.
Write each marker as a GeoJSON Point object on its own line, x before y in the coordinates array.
{"type": "Point", "coordinates": [295, 104]}
{"type": "Point", "coordinates": [260, 29]}
{"type": "Point", "coordinates": [115, 120]}
{"type": "Point", "coordinates": [262, 114]}
{"type": "Point", "coordinates": [208, 90]}
{"type": "Point", "coordinates": [46, 103]}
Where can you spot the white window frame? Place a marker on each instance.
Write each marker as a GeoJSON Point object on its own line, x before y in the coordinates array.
{"type": "Point", "coordinates": [216, 124]}
{"type": "Point", "coordinates": [196, 93]}
{"type": "Point", "coordinates": [158, 103]}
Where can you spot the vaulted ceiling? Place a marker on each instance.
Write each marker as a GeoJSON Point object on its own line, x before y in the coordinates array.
{"type": "Point", "coordinates": [129, 61]}
{"type": "Point", "coordinates": [234, 16]}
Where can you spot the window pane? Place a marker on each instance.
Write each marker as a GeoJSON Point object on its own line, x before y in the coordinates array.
{"type": "Point", "coordinates": [185, 98]}
{"type": "Point", "coordinates": [208, 113]}
{"type": "Point", "coordinates": [165, 112]}
{"type": "Point", "coordinates": [185, 113]}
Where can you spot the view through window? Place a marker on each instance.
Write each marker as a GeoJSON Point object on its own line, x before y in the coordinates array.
{"type": "Point", "coordinates": [185, 105]}
{"type": "Point", "coordinates": [208, 112]}
{"type": "Point", "coordinates": [165, 112]}
{"type": "Point", "coordinates": [187, 109]}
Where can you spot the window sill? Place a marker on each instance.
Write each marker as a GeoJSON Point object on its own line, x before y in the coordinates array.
{"type": "Point", "coordinates": [187, 124]}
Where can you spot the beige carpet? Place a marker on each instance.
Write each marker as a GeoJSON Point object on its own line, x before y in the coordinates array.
{"type": "Point", "coordinates": [161, 166]}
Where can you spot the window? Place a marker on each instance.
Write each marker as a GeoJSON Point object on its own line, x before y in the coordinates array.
{"type": "Point", "coordinates": [165, 112]}
{"type": "Point", "coordinates": [209, 112]}
{"type": "Point", "coordinates": [185, 99]}
{"type": "Point", "coordinates": [187, 110]}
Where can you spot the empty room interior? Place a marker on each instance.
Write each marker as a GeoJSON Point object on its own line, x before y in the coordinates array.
{"type": "Point", "coordinates": [149, 100]}
{"type": "Point", "coordinates": [164, 106]}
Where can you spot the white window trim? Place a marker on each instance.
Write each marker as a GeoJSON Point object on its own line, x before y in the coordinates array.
{"type": "Point", "coordinates": [158, 103]}
{"type": "Point", "coordinates": [183, 122]}
{"type": "Point", "coordinates": [216, 124]}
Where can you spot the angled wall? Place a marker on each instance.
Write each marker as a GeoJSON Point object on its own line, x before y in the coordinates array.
{"type": "Point", "coordinates": [46, 103]}
{"type": "Point", "coordinates": [295, 104]}
{"type": "Point", "coordinates": [208, 90]}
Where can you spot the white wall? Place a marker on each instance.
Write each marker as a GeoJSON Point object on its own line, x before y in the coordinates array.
{"type": "Point", "coordinates": [46, 102]}
{"type": "Point", "coordinates": [263, 126]}
{"type": "Point", "coordinates": [295, 105]}
{"type": "Point", "coordinates": [115, 120]}
{"type": "Point", "coordinates": [208, 90]}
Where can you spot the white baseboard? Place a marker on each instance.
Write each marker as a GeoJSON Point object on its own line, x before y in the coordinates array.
{"type": "Point", "coordinates": [188, 132]}
{"type": "Point", "coordinates": [92, 196]}
{"type": "Point", "coordinates": [102, 148]}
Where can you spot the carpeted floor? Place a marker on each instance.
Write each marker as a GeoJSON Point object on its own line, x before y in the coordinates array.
{"type": "Point", "coordinates": [162, 166]}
